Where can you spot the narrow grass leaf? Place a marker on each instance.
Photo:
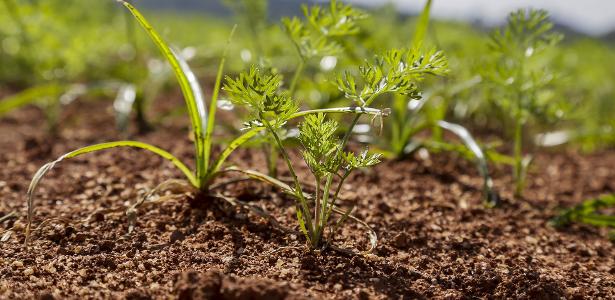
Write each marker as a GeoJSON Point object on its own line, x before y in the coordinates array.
{"type": "Point", "coordinates": [586, 213]}
{"type": "Point", "coordinates": [187, 82]}
{"type": "Point", "coordinates": [491, 196]}
{"type": "Point", "coordinates": [421, 27]}
{"type": "Point", "coordinates": [30, 96]}
{"type": "Point", "coordinates": [209, 127]}
{"type": "Point", "coordinates": [230, 148]}
{"type": "Point", "coordinates": [38, 176]}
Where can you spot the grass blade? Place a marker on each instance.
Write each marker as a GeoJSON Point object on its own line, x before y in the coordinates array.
{"type": "Point", "coordinates": [229, 149]}
{"type": "Point", "coordinates": [490, 195]}
{"type": "Point", "coordinates": [421, 27]}
{"type": "Point", "coordinates": [30, 96]}
{"type": "Point", "coordinates": [38, 176]}
{"type": "Point", "coordinates": [213, 105]}
{"type": "Point", "coordinates": [188, 84]}
{"type": "Point", "coordinates": [586, 213]}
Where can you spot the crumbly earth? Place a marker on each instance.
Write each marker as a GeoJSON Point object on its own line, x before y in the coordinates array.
{"type": "Point", "coordinates": [436, 238]}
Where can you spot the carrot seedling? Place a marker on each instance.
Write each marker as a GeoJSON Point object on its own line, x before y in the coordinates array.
{"type": "Point", "coordinates": [394, 72]}
{"type": "Point", "coordinates": [272, 108]}
{"type": "Point", "coordinates": [519, 76]}
{"type": "Point", "coordinates": [413, 116]}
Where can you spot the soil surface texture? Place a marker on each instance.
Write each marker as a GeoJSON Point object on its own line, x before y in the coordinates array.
{"type": "Point", "coordinates": [436, 237]}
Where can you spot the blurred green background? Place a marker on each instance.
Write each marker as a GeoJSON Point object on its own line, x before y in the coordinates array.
{"type": "Point", "coordinates": [46, 47]}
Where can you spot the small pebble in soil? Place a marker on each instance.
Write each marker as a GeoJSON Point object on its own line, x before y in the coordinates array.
{"type": "Point", "coordinates": [18, 264]}
{"type": "Point", "coordinates": [82, 272]}
{"type": "Point", "coordinates": [176, 236]}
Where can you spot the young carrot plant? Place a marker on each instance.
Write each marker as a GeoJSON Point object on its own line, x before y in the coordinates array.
{"type": "Point", "coordinates": [323, 151]}
{"type": "Point", "coordinates": [412, 116]}
{"type": "Point", "coordinates": [394, 72]}
{"type": "Point", "coordinates": [520, 75]}
{"type": "Point", "coordinates": [202, 121]}
{"type": "Point", "coordinates": [322, 33]}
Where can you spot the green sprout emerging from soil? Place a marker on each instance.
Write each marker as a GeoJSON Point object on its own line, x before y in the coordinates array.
{"type": "Point", "coordinates": [588, 212]}
{"type": "Point", "coordinates": [272, 108]}
{"type": "Point", "coordinates": [521, 76]}
{"type": "Point", "coordinates": [202, 121]}
{"type": "Point", "coordinates": [394, 72]}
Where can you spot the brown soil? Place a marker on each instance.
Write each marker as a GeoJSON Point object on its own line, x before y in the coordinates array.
{"type": "Point", "coordinates": [436, 239]}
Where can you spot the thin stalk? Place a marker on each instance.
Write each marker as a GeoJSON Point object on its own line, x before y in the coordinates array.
{"type": "Point", "coordinates": [298, 190]}
{"type": "Point", "coordinates": [349, 110]}
{"type": "Point", "coordinates": [140, 105]}
{"type": "Point", "coordinates": [518, 157]}
{"type": "Point", "coordinates": [272, 158]}
{"type": "Point", "coordinates": [317, 212]}
{"type": "Point", "coordinates": [345, 142]}
{"type": "Point", "coordinates": [298, 72]}
{"type": "Point", "coordinates": [337, 193]}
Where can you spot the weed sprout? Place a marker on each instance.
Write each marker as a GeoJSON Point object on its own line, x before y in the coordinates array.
{"type": "Point", "coordinates": [588, 212]}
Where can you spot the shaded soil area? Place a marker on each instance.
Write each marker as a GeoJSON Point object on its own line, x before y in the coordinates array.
{"type": "Point", "coordinates": [436, 238]}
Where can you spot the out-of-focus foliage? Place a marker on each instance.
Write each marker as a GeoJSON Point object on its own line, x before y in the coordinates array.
{"type": "Point", "coordinates": [520, 76]}
{"type": "Point", "coordinates": [52, 41]}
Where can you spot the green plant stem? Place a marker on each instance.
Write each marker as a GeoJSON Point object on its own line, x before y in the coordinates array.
{"type": "Point", "coordinates": [317, 212]}
{"type": "Point", "coordinates": [298, 190]}
{"type": "Point", "coordinates": [347, 110]}
{"type": "Point", "coordinates": [355, 120]}
{"type": "Point", "coordinates": [518, 157]}
{"type": "Point", "coordinates": [272, 157]}
{"type": "Point", "coordinates": [298, 72]}
{"type": "Point", "coordinates": [337, 192]}
{"type": "Point", "coordinates": [213, 105]}
{"type": "Point", "coordinates": [328, 207]}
